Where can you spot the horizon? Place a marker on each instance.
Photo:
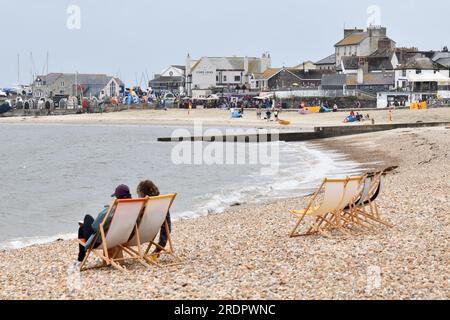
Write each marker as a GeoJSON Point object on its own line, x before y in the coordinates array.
{"type": "Point", "coordinates": [120, 39]}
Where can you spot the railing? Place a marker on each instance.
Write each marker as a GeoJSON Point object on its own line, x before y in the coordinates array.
{"type": "Point", "coordinates": [319, 93]}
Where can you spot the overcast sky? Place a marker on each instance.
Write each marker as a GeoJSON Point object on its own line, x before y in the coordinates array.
{"type": "Point", "coordinates": [129, 38]}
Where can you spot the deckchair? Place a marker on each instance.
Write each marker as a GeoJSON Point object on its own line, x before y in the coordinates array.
{"type": "Point", "coordinates": [352, 192]}
{"type": "Point", "coordinates": [124, 214]}
{"type": "Point", "coordinates": [153, 218]}
{"type": "Point", "coordinates": [334, 190]}
{"type": "Point", "coordinates": [369, 200]}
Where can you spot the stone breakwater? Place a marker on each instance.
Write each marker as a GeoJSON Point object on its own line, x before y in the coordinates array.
{"type": "Point", "coordinates": [245, 253]}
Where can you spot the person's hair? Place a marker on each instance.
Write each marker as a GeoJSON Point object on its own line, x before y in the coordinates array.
{"type": "Point", "coordinates": [128, 196]}
{"type": "Point", "coordinates": [148, 188]}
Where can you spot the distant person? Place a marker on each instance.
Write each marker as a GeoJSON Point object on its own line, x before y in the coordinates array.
{"type": "Point", "coordinates": [189, 107]}
{"type": "Point", "coordinates": [275, 113]}
{"type": "Point", "coordinates": [258, 113]}
{"type": "Point", "coordinates": [148, 189]}
{"type": "Point", "coordinates": [335, 108]}
{"type": "Point", "coordinates": [90, 227]}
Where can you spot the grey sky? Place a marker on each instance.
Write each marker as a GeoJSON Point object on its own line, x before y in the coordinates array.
{"type": "Point", "coordinates": [127, 38]}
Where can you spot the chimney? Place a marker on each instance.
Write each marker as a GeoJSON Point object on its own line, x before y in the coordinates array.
{"type": "Point", "coordinates": [245, 65]}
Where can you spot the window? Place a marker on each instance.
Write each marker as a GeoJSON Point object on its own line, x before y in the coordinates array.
{"type": "Point", "coordinates": [404, 73]}
{"type": "Point", "coordinates": [112, 89]}
{"type": "Point", "coordinates": [217, 78]}
{"type": "Point", "coordinates": [224, 78]}
{"type": "Point", "coordinates": [418, 71]}
{"type": "Point", "coordinates": [237, 78]}
{"type": "Point", "coordinates": [62, 83]}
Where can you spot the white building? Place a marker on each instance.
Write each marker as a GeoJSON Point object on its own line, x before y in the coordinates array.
{"type": "Point", "coordinates": [215, 73]}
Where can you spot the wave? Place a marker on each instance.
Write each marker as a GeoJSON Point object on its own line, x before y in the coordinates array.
{"type": "Point", "coordinates": [20, 243]}
{"type": "Point", "coordinates": [303, 168]}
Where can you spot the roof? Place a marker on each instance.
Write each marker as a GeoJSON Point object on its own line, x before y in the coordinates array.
{"type": "Point", "coordinates": [269, 73]}
{"type": "Point", "coordinates": [300, 74]}
{"type": "Point", "coordinates": [331, 59]}
{"type": "Point", "coordinates": [179, 67]}
{"type": "Point", "coordinates": [94, 82]}
{"type": "Point", "coordinates": [352, 39]}
{"type": "Point", "coordinates": [258, 76]}
{"type": "Point", "coordinates": [422, 63]}
{"type": "Point", "coordinates": [444, 61]}
{"type": "Point", "coordinates": [233, 63]}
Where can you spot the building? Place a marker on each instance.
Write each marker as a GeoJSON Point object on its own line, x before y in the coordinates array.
{"type": "Point", "coordinates": [417, 77]}
{"type": "Point", "coordinates": [212, 74]}
{"type": "Point", "coordinates": [422, 74]}
{"type": "Point", "coordinates": [290, 78]}
{"type": "Point", "coordinates": [73, 84]}
{"type": "Point", "coordinates": [328, 63]}
{"type": "Point", "coordinates": [442, 57]}
{"type": "Point", "coordinates": [360, 43]}
{"type": "Point", "coordinates": [170, 79]}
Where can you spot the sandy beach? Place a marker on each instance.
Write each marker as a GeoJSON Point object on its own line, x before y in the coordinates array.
{"type": "Point", "coordinates": [222, 118]}
{"type": "Point", "coordinates": [246, 253]}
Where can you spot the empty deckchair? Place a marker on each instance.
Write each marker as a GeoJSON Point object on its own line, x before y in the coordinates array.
{"type": "Point", "coordinates": [352, 192]}
{"type": "Point", "coordinates": [153, 217]}
{"type": "Point", "coordinates": [370, 200]}
{"type": "Point", "coordinates": [334, 190]}
{"type": "Point", "coordinates": [124, 216]}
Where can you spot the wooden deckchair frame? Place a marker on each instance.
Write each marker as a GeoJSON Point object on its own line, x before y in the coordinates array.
{"type": "Point", "coordinates": [374, 214]}
{"type": "Point", "coordinates": [340, 219]}
{"type": "Point", "coordinates": [330, 219]}
{"type": "Point", "coordinates": [143, 255]}
{"type": "Point", "coordinates": [107, 259]}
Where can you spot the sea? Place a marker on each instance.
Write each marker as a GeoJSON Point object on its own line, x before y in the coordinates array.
{"type": "Point", "coordinates": [51, 175]}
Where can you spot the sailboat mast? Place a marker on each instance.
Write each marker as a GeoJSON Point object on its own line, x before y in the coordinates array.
{"type": "Point", "coordinates": [18, 68]}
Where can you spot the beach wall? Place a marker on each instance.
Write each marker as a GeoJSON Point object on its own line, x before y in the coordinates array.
{"type": "Point", "coordinates": [318, 133]}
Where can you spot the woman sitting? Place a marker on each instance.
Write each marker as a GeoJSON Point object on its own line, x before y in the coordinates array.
{"type": "Point", "coordinates": [148, 189]}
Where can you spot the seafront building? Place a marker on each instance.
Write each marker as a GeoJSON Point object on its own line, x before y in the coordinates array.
{"type": "Point", "coordinates": [209, 75]}
{"type": "Point", "coordinates": [172, 79]}
{"type": "Point", "coordinates": [76, 84]}
{"type": "Point", "coordinates": [366, 63]}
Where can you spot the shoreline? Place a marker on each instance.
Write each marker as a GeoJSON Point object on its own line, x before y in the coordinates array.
{"type": "Point", "coordinates": [245, 253]}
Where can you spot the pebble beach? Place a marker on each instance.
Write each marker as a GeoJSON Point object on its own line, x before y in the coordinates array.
{"type": "Point", "coordinates": [245, 253]}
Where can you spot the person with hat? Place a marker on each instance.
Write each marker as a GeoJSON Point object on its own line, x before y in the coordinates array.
{"type": "Point", "coordinates": [90, 227]}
